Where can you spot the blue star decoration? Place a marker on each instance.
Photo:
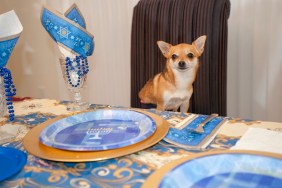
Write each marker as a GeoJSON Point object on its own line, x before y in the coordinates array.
{"type": "Point", "coordinates": [86, 47]}
{"type": "Point", "coordinates": [64, 32]}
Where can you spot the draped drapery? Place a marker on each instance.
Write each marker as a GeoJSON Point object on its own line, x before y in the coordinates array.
{"type": "Point", "coordinates": [255, 60]}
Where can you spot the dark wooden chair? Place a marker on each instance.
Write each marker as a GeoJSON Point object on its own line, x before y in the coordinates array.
{"type": "Point", "coordinates": [182, 21]}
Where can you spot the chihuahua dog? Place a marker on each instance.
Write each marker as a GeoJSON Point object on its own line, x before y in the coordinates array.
{"type": "Point", "coordinates": [173, 87]}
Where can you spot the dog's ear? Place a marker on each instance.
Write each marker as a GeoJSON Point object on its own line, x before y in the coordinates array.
{"type": "Point", "coordinates": [199, 44]}
{"type": "Point", "coordinates": [164, 47]}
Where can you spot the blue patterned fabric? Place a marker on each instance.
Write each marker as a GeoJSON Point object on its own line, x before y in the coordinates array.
{"type": "Point", "coordinates": [188, 137]}
{"type": "Point", "coordinates": [6, 48]}
{"type": "Point", "coordinates": [126, 171]}
{"type": "Point", "coordinates": [33, 119]}
{"type": "Point", "coordinates": [65, 32]}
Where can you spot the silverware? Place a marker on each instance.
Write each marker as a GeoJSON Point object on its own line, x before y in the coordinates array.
{"type": "Point", "coordinates": [200, 127]}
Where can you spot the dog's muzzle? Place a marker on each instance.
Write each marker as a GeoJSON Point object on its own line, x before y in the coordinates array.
{"type": "Point", "coordinates": [182, 65]}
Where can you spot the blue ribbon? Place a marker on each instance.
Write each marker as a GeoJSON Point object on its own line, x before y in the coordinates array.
{"type": "Point", "coordinates": [68, 33]}
{"type": "Point", "coordinates": [6, 48]}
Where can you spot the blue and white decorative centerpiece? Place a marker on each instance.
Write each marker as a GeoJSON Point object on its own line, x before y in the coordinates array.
{"type": "Point", "coordinates": [75, 44]}
{"type": "Point", "coordinates": [10, 30]}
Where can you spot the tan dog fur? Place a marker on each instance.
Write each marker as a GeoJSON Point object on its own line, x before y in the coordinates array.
{"type": "Point", "coordinates": [173, 87]}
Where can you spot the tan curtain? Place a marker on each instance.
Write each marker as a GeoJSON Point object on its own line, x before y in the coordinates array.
{"type": "Point", "coordinates": [255, 60]}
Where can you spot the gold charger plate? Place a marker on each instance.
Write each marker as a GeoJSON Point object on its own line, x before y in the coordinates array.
{"type": "Point", "coordinates": [188, 175]}
{"type": "Point", "coordinates": [32, 144]}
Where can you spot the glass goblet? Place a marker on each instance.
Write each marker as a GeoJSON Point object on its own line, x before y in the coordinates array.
{"type": "Point", "coordinates": [74, 74]}
{"type": "Point", "coordinates": [3, 107]}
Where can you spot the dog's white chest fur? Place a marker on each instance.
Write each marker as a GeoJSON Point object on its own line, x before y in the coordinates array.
{"type": "Point", "coordinates": [181, 94]}
{"type": "Point", "coordinates": [174, 99]}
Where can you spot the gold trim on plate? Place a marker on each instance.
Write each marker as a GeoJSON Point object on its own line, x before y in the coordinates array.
{"type": "Point", "coordinates": [32, 144]}
{"type": "Point", "coordinates": [155, 179]}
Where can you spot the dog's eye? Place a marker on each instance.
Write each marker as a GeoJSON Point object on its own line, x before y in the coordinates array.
{"type": "Point", "coordinates": [190, 55]}
{"type": "Point", "coordinates": [174, 56]}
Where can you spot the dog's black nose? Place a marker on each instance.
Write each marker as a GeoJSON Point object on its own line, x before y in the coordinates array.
{"type": "Point", "coordinates": [181, 64]}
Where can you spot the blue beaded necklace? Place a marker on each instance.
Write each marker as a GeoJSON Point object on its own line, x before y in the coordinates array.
{"type": "Point", "coordinates": [78, 64]}
{"type": "Point", "coordinates": [10, 90]}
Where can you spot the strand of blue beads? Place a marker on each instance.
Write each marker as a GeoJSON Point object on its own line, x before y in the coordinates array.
{"type": "Point", "coordinates": [78, 63]}
{"type": "Point", "coordinates": [10, 91]}
{"type": "Point", "coordinates": [71, 66]}
{"type": "Point", "coordinates": [85, 66]}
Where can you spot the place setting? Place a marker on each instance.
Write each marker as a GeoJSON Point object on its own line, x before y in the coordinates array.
{"type": "Point", "coordinates": [95, 135]}
{"type": "Point", "coordinates": [108, 133]}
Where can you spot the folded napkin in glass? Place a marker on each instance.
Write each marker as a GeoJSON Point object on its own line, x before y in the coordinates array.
{"type": "Point", "coordinates": [11, 29]}
{"type": "Point", "coordinates": [185, 135]}
{"type": "Point", "coordinates": [68, 30]}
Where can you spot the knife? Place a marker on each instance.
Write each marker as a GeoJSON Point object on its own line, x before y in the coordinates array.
{"type": "Point", "coordinates": [200, 127]}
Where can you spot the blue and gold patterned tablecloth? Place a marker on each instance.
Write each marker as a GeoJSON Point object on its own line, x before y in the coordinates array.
{"type": "Point", "coordinates": [127, 171]}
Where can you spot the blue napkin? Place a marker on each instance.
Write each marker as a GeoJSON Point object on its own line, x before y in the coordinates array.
{"type": "Point", "coordinates": [68, 31]}
{"type": "Point", "coordinates": [189, 139]}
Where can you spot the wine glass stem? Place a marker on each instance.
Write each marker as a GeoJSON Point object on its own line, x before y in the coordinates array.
{"type": "Point", "coordinates": [2, 98]}
{"type": "Point", "coordinates": [77, 97]}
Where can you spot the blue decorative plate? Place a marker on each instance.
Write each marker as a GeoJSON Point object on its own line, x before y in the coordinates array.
{"type": "Point", "coordinates": [231, 169]}
{"type": "Point", "coordinates": [11, 161]}
{"type": "Point", "coordinates": [98, 130]}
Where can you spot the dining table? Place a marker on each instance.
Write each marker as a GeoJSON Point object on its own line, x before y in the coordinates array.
{"type": "Point", "coordinates": [130, 170]}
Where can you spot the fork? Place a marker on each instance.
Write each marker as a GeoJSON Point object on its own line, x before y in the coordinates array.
{"type": "Point", "coordinates": [200, 127]}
